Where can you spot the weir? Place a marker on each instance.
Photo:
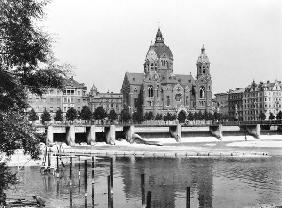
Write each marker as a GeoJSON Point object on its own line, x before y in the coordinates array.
{"type": "Point", "coordinates": [90, 133]}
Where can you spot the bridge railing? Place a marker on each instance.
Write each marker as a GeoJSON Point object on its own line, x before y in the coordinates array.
{"type": "Point", "coordinates": [161, 123]}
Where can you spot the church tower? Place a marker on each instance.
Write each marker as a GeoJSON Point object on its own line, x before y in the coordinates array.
{"type": "Point", "coordinates": [203, 83]}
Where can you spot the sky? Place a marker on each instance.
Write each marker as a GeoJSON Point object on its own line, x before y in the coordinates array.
{"type": "Point", "coordinates": [104, 39]}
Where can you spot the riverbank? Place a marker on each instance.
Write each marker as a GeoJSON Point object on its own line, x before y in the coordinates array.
{"type": "Point", "coordinates": [229, 146]}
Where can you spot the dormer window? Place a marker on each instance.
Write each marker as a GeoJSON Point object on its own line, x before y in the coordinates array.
{"type": "Point", "coordinates": [133, 78]}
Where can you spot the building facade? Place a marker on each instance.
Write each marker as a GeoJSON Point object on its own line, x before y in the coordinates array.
{"type": "Point", "coordinates": [261, 98]}
{"type": "Point", "coordinates": [159, 90]}
{"type": "Point", "coordinates": [235, 104]}
{"type": "Point", "coordinates": [73, 95]}
{"type": "Point", "coordinates": [109, 101]}
{"type": "Point", "coordinates": [221, 100]}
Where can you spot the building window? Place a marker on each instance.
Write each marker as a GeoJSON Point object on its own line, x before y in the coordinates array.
{"type": "Point", "coordinates": [178, 97]}
{"type": "Point", "coordinates": [150, 91]}
{"type": "Point", "coordinates": [135, 102]}
{"type": "Point", "coordinates": [202, 92]}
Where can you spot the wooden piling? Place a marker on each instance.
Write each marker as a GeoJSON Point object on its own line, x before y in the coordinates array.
{"type": "Point", "coordinates": [58, 167]}
{"type": "Point", "coordinates": [70, 169]}
{"type": "Point", "coordinates": [85, 182]}
{"type": "Point", "coordinates": [93, 182]}
{"type": "Point", "coordinates": [78, 166]}
{"type": "Point", "coordinates": [149, 199]}
{"type": "Point", "coordinates": [109, 191]}
{"type": "Point", "coordinates": [49, 158]}
{"type": "Point", "coordinates": [112, 182]}
{"type": "Point", "coordinates": [188, 197]}
{"type": "Point", "coordinates": [143, 190]}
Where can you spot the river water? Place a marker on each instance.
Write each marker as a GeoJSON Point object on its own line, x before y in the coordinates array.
{"type": "Point", "coordinates": [213, 183]}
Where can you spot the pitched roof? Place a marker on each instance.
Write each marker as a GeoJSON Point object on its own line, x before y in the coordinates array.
{"type": "Point", "coordinates": [185, 79]}
{"type": "Point", "coordinates": [135, 78]}
{"type": "Point", "coordinates": [73, 84]}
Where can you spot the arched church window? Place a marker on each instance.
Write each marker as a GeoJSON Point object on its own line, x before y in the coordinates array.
{"type": "Point", "coordinates": [178, 97]}
{"type": "Point", "coordinates": [202, 92]}
{"type": "Point", "coordinates": [150, 91]}
{"type": "Point", "coordinates": [204, 70]}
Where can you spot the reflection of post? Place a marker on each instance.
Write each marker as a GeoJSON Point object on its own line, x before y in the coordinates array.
{"type": "Point", "coordinates": [92, 181]}
{"type": "Point", "coordinates": [57, 166]}
{"type": "Point", "coordinates": [85, 182]}
{"type": "Point", "coordinates": [143, 190]}
{"type": "Point", "coordinates": [148, 200]}
{"type": "Point", "coordinates": [78, 174]}
{"type": "Point", "coordinates": [70, 168]}
{"type": "Point", "coordinates": [70, 182]}
{"type": "Point", "coordinates": [188, 197]}
{"type": "Point", "coordinates": [58, 188]}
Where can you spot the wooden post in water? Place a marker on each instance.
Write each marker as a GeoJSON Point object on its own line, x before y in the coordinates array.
{"type": "Point", "coordinates": [58, 167]}
{"type": "Point", "coordinates": [109, 191]}
{"type": "Point", "coordinates": [149, 199]}
{"type": "Point", "coordinates": [143, 190]}
{"type": "Point", "coordinates": [85, 182]}
{"type": "Point", "coordinates": [188, 197]}
{"type": "Point", "coordinates": [93, 204]}
{"type": "Point", "coordinates": [79, 166]}
{"type": "Point", "coordinates": [112, 182]}
{"type": "Point", "coordinates": [70, 182]}
{"type": "Point", "coordinates": [49, 158]}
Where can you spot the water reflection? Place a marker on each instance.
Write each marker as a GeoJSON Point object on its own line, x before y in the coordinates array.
{"type": "Point", "coordinates": [213, 183]}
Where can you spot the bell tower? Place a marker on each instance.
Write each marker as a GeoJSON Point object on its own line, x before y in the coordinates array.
{"type": "Point", "coordinates": [203, 64]}
{"type": "Point", "coordinates": [203, 83]}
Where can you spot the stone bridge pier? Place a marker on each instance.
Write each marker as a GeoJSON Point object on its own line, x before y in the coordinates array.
{"type": "Point", "coordinates": [216, 131]}
{"type": "Point", "coordinates": [175, 132]}
{"type": "Point", "coordinates": [253, 130]}
{"type": "Point", "coordinates": [110, 132]}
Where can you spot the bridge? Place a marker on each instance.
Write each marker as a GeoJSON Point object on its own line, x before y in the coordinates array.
{"type": "Point", "coordinates": [89, 133]}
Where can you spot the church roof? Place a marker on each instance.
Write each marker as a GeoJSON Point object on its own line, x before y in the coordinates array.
{"type": "Point", "coordinates": [135, 78]}
{"type": "Point", "coordinates": [184, 79]}
{"type": "Point", "coordinates": [159, 47]}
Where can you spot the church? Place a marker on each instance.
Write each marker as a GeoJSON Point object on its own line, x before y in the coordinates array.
{"type": "Point", "coordinates": [159, 90]}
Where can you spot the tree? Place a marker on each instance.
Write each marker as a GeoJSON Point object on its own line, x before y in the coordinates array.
{"type": "Point", "coordinates": [59, 115]}
{"type": "Point", "coordinates": [279, 115]}
{"type": "Point", "coordinates": [112, 115]}
{"type": "Point", "coordinates": [159, 117]}
{"type": "Point", "coordinates": [137, 116]}
{"type": "Point", "coordinates": [181, 117]}
{"type": "Point", "coordinates": [71, 114]}
{"type": "Point", "coordinates": [27, 65]}
{"type": "Point", "coordinates": [32, 115]}
{"type": "Point", "coordinates": [271, 116]}
{"type": "Point", "coordinates": [190, 116]}
{"type": "Point", "coordinates": [99, 113]}
{"type": "Point", "coordinates": [125, 115]}
{"type": "Point", "coordinates": [45, 116]}
{"type": "Point", "coordinates": [149, 116]}
{"type": "Point", "coordinates": [168, 117]}
{"type": "Point", "coordinates": [262, 116]}
{"type": "Point", "coordinates": [85, 113]}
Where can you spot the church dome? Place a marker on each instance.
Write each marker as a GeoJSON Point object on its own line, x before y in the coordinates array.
{"type": "Point", "coordinates": [160, 48]}
{"type": "Point", "coordinates": [203, 58]}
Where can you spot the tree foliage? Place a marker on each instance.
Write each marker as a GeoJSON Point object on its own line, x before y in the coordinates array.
{"type": "Point", "coordinates": [59, 115]}
{"type": "Point", "coordinates": [279, 115]}
{"type": "Point", "coordinates": [262, 116]}
{"type": "Point", "coordinates": [112, 115]}
{"type": "Point", "coordinates": [26, 65]}
{"type": "Point", "coordinates": [159, 116]}
{"type": "Point", "coordinates": [181, 117]}
{"type": "Point", "coordinates": [32, 115]}
{"type": "Point", "coordinates": [45, 116]}
{"type": "Point", "coordinates": [137, 116]}
{"type": "Point", "coordinates": [125, 114]}
{"type": "Point", "coordinates": [99, 113]}
{"type": "Point", "coordinates": [85, 113]}
{"type": "Point", "coordinates": [71, 114]}
{"type": "Point", "coordinates": [149, 116]}
{"type": "Point", "coordinates": [271, 116]}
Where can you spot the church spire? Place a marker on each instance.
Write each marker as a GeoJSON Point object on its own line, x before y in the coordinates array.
{"type": "Point", "coordinates": [159, 37]}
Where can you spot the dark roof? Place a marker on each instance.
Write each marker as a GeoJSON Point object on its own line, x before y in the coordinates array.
{"type": "Point", "coordinates": [135, 78]}
{"type": "Point", "coordinates": [185, 79]}
{"type": "Point", "coordinates": [160, 49]}
{"type": "Point", "coordinates": [73, 84]}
